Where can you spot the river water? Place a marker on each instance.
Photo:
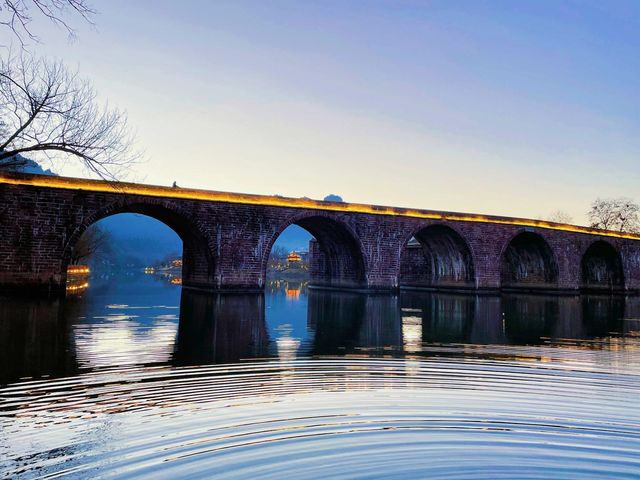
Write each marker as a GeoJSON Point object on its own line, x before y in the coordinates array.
{"type": "Point", "coordinates": [137, 378]}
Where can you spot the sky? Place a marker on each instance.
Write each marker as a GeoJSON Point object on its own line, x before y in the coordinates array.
{"type": "Point", "coordinates": [499, 107]}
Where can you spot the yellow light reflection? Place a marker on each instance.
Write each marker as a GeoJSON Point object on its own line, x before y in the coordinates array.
{"type": "Point", "coordinates": [292, 293]}
{"type": "Point", "coordinates": [76, 288]}
{"type": "Point", "coordinates": [78, 270]}
{"type": "Point", "coordinates": [287, 348]}
{"type": "Point", "coordinates": [412, 333]}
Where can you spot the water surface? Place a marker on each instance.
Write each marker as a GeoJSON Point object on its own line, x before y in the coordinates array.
{"type": "Point", "coordinates": [137, 378]}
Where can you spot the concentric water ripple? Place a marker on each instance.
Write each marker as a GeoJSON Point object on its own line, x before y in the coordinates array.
{"type": "Point", "coordinates": [342, 417]}
{"type": "Point", "coordinates": [137, 380]}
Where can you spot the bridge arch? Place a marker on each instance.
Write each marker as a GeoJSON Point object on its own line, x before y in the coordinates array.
{"type": "Point", "coordinates": [198, 265]}
{"type": "Point", "coordinates": [527, 261]}
{"type": "Point", "coordinates": [437, 256]}
{"type": "Point", "coordinates": [336, 253]}
{"type": "Point", "coordinates": [601, 267]}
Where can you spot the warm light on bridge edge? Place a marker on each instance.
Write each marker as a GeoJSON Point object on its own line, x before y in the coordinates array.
{"type": "Point", "coordinates": [276, 201]}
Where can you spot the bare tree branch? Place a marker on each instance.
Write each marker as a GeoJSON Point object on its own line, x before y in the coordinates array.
{"type": "Point", "coordinates": [621, 214]}
{"type": "Point", "coordinates": [560, 216]}
{"type": "Point", "coordinates": [17, 15]}
{"type": "Point", "coordinates": [47, 109]}
{"type": "Point", "coordinates": [94, 243]}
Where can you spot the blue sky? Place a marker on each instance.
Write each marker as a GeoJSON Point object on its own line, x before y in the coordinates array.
{"type": "Point", "coordinates": [504, 107]}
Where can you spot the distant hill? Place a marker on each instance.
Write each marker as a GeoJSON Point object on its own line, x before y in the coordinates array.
{"type": "Point", "coordinates": [140, 239]}
{"type": "Point", "coordinates": [27, 165]}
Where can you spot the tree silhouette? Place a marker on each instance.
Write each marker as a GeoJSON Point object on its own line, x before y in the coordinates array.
{"type": "Point", "coordinates": [621, 214]}
{"type": "Point", "coordinates": [47, 110]}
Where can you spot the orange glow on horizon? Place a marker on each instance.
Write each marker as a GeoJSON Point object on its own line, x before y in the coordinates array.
{"type": "Point", "coordinates": [69, 183]}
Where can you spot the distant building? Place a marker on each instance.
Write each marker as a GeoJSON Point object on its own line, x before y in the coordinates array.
{"type": "Point", "coordinates": [294, 258]}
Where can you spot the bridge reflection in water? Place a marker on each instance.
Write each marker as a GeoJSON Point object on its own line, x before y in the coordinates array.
{"type": "Point", "coordinates": [220, 328]}
{"type": "Point", "coordinates": [159, 324]}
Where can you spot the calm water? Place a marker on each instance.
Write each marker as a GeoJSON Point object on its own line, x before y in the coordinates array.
{"type": "Point", "coordinates": [139, 379]}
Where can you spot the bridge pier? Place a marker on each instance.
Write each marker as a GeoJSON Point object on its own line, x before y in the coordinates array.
{"type": "Point", "coordinates": [45, 285]}
{"type": "Point", "coordinates": [630, 253]}
{"type": "Point", "coordinates": [322, 274]}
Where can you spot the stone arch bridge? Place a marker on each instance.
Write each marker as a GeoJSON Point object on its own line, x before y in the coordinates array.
{"type": "Point", "coordinates": [227, 239]}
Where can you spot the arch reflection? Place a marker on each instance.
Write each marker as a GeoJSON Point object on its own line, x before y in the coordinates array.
{"type": "Point", "coordinates": [34, 340]}
{"type": "Point", "coordinates": [353, 322]}
{"type": "Point", "coordinates": [446, 318]}
{"type": "Point", "coordinates": [529, 318]}
{"type": "Point", "coordinates": [603, 314]}
{"type": "Point", "coordinates": [115, 325]}
{"type": "Point", "coordinates": [220, 328]}
{"type": "Point", "coordinates": [336, 319]}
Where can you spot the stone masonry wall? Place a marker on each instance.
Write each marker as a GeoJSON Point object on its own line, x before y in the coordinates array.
{"type": "Point", "coordinates": [226, 245]}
